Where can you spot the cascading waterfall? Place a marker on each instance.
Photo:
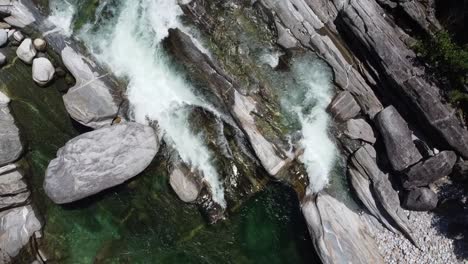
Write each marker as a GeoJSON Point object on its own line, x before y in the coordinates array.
{"type": "Point", "coordinates": [131, 47]}
{"type": "Point", "coordinates": [307, 101]}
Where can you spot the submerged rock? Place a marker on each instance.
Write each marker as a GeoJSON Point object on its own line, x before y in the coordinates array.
{"type": "Point", "coordinates": [10, 142]}
{"type": "Point", "coordinates": [430, 170]}
{"type": "Point", "coordinates": [43, 71]}
{"type": "Point", "coordinates": [90, 101]}
{"type": "Point", "coordinates": [420, 199]}
{"type": "Point", "coordinates": [401, 150]}
{"type": "Point", "coordinates": [26, 51]}
{"type": "Point", "coordinates": [338, 234]}
{"type": "Point", "coordinates": [184, 185]}
{"type": "Point", "coordinates": [98, 160]}
{"type": "Point", "coordinates": [17, 225]}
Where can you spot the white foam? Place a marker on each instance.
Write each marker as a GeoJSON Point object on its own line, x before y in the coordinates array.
{"type": "Point", "coordinates": [319, 150]}
{"type": "Point", "coordinates": [62, 13]}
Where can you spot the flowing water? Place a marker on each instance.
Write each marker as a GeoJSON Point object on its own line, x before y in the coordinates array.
{"type": "Point", "coordinates": [143, 221]}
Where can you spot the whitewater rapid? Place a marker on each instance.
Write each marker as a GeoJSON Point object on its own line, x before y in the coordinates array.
{"type": "Point", "coordinates": [130, 44]}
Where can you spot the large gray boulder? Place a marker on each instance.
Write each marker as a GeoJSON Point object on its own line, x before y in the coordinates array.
{"type": "Point", "coordinates": [42, 71]}
{"type": "Point", "coordinates": [430, 170]}
{"type": "Point", "coordinates": [338, 234]}
{"type": "Point", "coordinates": [26, 51]}
{"type": "Point", "coordinates": [420, 199]}
{"type": "Point", "coordinates": [98, 160]}
{"type": "Point", "coordinates": [401, 150]}
{"type": "Point", "coordinates": [89, 101]}
{"type": "Point", "coordinates": [10, 142]}
{"type": "Point", "coordinates": [185, 185]}
{"type": "Point", "coordinates": [343, 106]}
{"type": "Point", "coordinates": [17, 225]}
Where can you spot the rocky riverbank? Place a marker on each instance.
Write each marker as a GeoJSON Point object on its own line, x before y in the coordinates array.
{"type": "Point", "coordinates": [401, 144]}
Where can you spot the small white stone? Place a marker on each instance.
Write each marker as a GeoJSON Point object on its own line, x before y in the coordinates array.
{"type": "Point", "coordinates": [4, 100]}
{"type": "Point", "coordinates": [26, 51]}
{"type": "Point", "coordinates": [43, 71]}
{"type": "Point", "coordinates": [18, 36]}
{"type": "Point", "coordinates": [40, 44]}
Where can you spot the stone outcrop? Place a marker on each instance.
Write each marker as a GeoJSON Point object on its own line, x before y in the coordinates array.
{"type": "Point", "coordinates": [420, 199]}
{"type": "Point", "coordinates": [381, 189]}
{"type": "Point", "coordinates": [430, 170]}
{"type": "Point", "coordinates": [343, 106]}
{"type": "Point", "coordinates": [98, 160]}
{"type": "Point", "coordinates": [401, 150]}
{"type": "Point", "coordinates": [42, 71]}
{"type": "Point", "coordinates": [13, 189]}
{"type": "Point", "coordinates": [359, 129]}
{"type": "Point", "coordinates": [244, 109]}
{"type": "Point", "coordinates": [338, 234]}
{"type": "Point", "coordinates": [10, 142]}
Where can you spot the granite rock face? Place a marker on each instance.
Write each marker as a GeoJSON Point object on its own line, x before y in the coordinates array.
{"type": "Point", "coordinates": [430, 170]}
{"type": "Point", "coordinates": [13, 189]}
{"type": "Point", "coordinates": [338, 234]}
{"type": "Point", "coordinates": [360, 129]}
{"type": "Point", "coordinates": [98, 160]}
{"type": "Point", "coordinates": [401, 150]}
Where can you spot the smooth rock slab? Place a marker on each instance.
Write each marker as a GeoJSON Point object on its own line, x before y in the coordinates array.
{"type": "Point", "coordinates": [98, 160]}
{"type": "Point", "coordinates": [2, 59]}
{"type": "Point", "coordinates": [401, 150]}
{"type": "Point", "coordinates": [338, 234]}
{"type": "Point", "coordinates": [17, 225]}
{"type": "Point", "coordinates": [430, 170]}
{"type": "Point", "coordinates": [10, 142]}
{"type": "Point", "coordinates": [344, 107]}
{"type": "Point", "coordinates": [26, 51]}
{"type": "Point", "coordinates": [420, 199]}
{"type": "Point", "coordinates": [42, 71]}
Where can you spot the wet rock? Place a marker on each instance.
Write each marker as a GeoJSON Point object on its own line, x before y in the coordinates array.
{"type": "Point", "coordinates": [185, 185]}
{"type": "Point", "coordinates": [430, 170]}
{"type": "Point", "coordinates": [89, 101]}
{"type": "Point", "coordinates": [420, 199]}
{"type": "Point", "coordinates": [338, 234]}
{"type": "Point", "coordinates": [18, 36]}
{"type": "Point", "coordinates": [343, 106]}
{"type": "Point", "coordinates": [43, 71]}
{"type": "Point", "coordinates": [17, 225]}
{"type": "Point", "coordinates": [40, 44]}
{"type": "Point", "coordinates": [4, 25]}
{"type": "Point", "coordinates": [2, 59]}
{"type": "Point", "coordinates": [26, 51]}
{"type": "Point", "coordinates": [382, 191]}
{"type": "Point", "coordinates": [401, 151]}
{"type": "Point", "coordinates": [3, 37]}
{"type": "Point", "coordinates": [10, 142]}
{"type": "Point", "coordinates": [359, 129]}
{"type": "Point", "coordinates": [98, 160]}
